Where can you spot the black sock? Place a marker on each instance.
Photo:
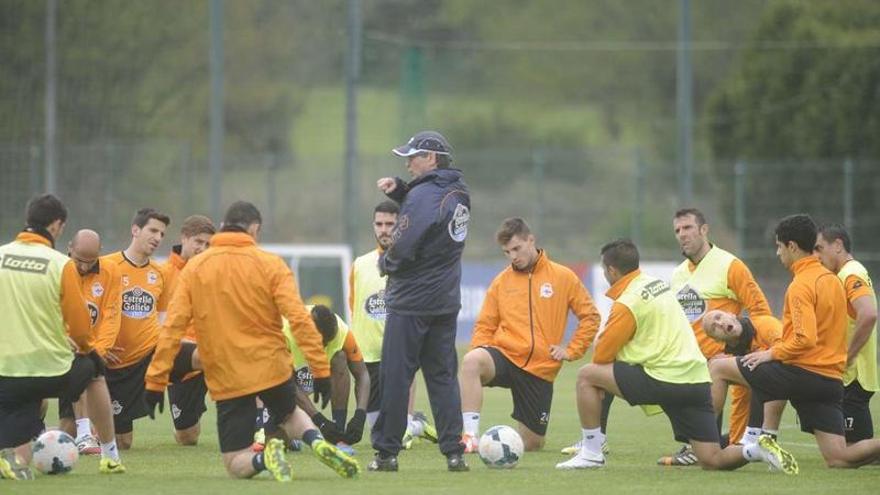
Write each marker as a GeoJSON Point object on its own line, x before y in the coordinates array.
{"type": "Point", "coordinates": [339, 417]}
{"type": "Point", "coordinates": [311, 436]}
{"type": "Point", "coordinates": [259, 417]}
{"type": "Point", "coordinates": [606, 408]}
{"type": "Point", "coordinates": [258, 463]}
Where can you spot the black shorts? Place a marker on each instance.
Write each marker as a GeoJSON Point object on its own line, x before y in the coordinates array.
{"type": "Point", "coordinates": [182, 362]}
{"type": "Point", "coordinates": [688, 405]}
{"type": "Point", "coordinates": [858, 424]}
{"type": "Point", "coordinates": [127, 394]}
{"type": "Point", "coordinates": [187, 401]}
{"type": "Point", "coordinates": [816, 398]}
{"type": "Point", "coordinates": [235, 417]}
{"type": "Point", "coordinates": [21, 398]}
{"type": "Point", "coordinates": [375, 400]}
{"type": "Point", "coordinates": [532, 396]}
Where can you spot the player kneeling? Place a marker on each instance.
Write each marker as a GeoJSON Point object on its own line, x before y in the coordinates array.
{"type": "Point", "coordinates": [648, 355]}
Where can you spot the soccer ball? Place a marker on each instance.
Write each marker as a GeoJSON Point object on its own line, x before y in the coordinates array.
{"type": "Point", "coordinates": [55, 452]}
{"type": "Point", "coordinates": [501, 447]}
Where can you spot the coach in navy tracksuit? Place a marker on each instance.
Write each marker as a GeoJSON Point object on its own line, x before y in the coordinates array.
{"type": "Point", "coordinates": [423, 297]}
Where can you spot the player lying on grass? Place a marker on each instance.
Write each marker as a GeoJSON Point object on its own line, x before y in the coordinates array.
{"type": "Point", "coordinates": [806, 367]}
{"type": "Point", "coordinates": [238, 294]}
{"type": "Point", "coordinates": [742, 336]}
{"type": "Point", "coordinates": [648, 354]}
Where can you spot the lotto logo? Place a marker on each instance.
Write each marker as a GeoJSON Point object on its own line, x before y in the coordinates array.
{"type": "Point", "coordinates": [375, 306]}
{"type": "Point", "coordinates": [93, 313]}
{"type": "Point", "coordinates": [25, 264]}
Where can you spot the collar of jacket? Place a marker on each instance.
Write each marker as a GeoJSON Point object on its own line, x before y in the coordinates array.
{"type": "Point", "coordinates": [804, 263]}
{"type": "Point", "coordinates": [42, 232]}
{"type": "Point", "coordinates": [538, 265]}
{"type": "Point", "coordinates": [32, 236]}
{"type": "Point", "coordinates": [238, 239]}
{"type": "Point", "coordinates": [617, 289]}
{"type": "Point", "coordinates": [434, 174]}
{"type": "Point", "coordinates": [175, 258]}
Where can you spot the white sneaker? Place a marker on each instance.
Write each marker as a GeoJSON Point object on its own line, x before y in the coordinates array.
{"type": "Point", "coordinates": [576, 447]}
{"type": "Point", "coordinates": [584, 460]}
{"type": "Point", "coordinates": [88, 445]}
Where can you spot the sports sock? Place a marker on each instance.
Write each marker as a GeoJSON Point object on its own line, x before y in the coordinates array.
{"type": "Point", "coordinates": [109, 451]}
{"type": "Point", "coordinates": [83, 428]}
{"type": "Point", "coordinates": [258, 462]}
{"type": "Point", "coordinates": [751, 436]}
{"type": "Point", "coordinates": [593, 439]}
{"type": "Point", "coordinates": [339, 417]}
{"type": "Point", "coordinates": [372, 417]}
{"type": "Point", "coordinates": [416, 427]}
{"type": "Point", "coordinates": [260, 420]}
{"type": "Point", "coordinates": [311, 436]}
{"type": "Point", "coordinates": [774, 434]}
{"type": "Point", "coordinates": [753, 453]}
{"type": "Point", "coordinates": [471, 422]}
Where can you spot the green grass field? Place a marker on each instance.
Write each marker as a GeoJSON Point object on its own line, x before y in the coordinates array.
{"type": "Point", "coordinates": [157, 466]}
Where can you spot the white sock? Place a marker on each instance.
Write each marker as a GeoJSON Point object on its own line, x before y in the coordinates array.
{"type": "Point", "coordinates": [83, 428]}
{"type": "Point", "coordinates": [751, 436]}
{"type": "Point", "coordinates": [372, 417]}
{"type": "Point", "coordinates": [416, 427]}
{"type": "Point", "coordinates": [109, 450]}
{"type": "Point", "coordinates": [753, 453]}
{"type": "Point", "coordinates": [593, 438]}
{"type": "Point", "coordinates": [471, 421]}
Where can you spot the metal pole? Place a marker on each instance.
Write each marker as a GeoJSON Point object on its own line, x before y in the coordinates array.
{"type": "Point", "coordinates": [684, 100]}
{"type": "Point", "coordinates": [51, 183]}
{"type": "Point", "coordinates": [739, 200]}
{"type": "Point", "coordinates": [638, 200]}
{"type": "Point", "coordinates": [351, 215]}
{"type": "Point", "coordinates": [215, 139]}
{"type": "Point", "coordinates": [848, 195]}
{"type": "Point", "coordinates": [539, 163]}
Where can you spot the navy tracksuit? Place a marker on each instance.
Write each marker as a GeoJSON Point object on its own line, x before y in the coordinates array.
{"type": "Point", "coordinates": [423, 298]}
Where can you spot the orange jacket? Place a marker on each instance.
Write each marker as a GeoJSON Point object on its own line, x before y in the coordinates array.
{"type": "Point", "coordinates": [236, 293]}
{"type": "Point", "coordinates": [172, 269]}
{"type": "Point", "coordinates": [814, 321]}
{"type": "Point", "coordinates": [525, 313]}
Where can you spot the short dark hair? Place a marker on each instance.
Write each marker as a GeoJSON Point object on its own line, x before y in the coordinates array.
{"type": "Point", "coordinates": [241, 215]}
{"type": "Point", "coordinates": [386, 206]}
{"type": "Point", "coordinates": [683, 212]}
{"type": "Point", "coordinates": [44, 209]}
{"type": "Point", "coordinates": [800, 229]}
{"type": "Point", "coordinates": [833, 231]}
{"type": "Point", "coordinates": [510, 227]}
{"type": "Point", "coordinates": [195, 225]}
{"type": "Point", "coordinates": [326, 322]}
{"type": "Point", "coordinates": [144, 215]}
{"type": "Point", "coordinates": [621, 254]}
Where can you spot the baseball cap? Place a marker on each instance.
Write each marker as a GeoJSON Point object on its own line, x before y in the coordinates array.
{"type": "Point", "coordinates": [424, 141]}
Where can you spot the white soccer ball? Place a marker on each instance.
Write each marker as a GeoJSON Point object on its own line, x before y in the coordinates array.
{"type": "Point", "coordinates": [55, 452]}
{"type": "Point", "coordinates": [501, 447]}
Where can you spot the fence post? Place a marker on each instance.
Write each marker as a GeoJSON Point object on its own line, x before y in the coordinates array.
{"type": "Point", "coordinates": [739, 200]}
{"type": "Point", "coordinates": [848, 194]}
{"type": "Point", "coordinates": [538, 164]}
{"type": "Point", "coordinates": [638, 199]}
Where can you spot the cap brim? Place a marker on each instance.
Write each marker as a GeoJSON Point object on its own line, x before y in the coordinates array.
{"type": "Point", "coordinates": [405, 150]}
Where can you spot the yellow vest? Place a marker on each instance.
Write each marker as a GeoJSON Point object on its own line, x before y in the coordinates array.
{"type": "Point", "coordinates": [368, 312]}
{"type": "Point", "coordinates": [708, 281]}
{"type": "Point", "coordinates": [300, 363]}
{"type": "Point", "coordinates": [664, 343]}
{"type": "Point", "coordinates": [865, 367]}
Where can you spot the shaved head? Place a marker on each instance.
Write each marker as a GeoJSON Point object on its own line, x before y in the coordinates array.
{"type": "Point", "coordinates": [84, 249]}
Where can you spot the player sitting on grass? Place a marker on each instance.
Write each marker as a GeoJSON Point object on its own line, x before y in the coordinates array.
{"type": "Point", "coordinates": [238, 294]}
{"type": "Point", "coordinates": [648, 355]}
